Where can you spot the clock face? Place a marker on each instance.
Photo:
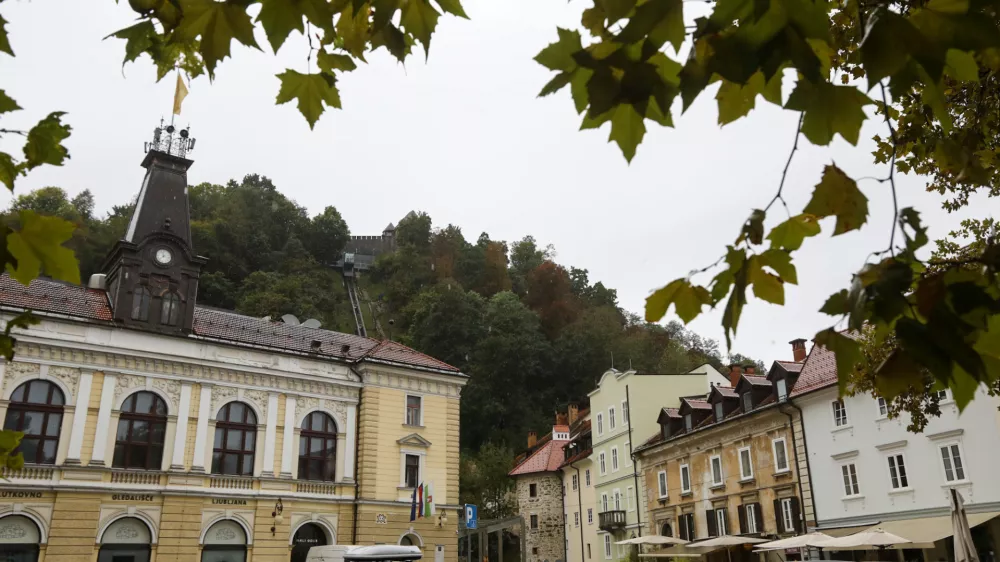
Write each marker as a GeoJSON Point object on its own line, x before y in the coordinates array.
{"type": "Point", "coordinates": [163, 256]}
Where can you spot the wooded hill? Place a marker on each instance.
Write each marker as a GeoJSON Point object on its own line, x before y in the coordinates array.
{"type": "Point", "coordinates": [532, 334]}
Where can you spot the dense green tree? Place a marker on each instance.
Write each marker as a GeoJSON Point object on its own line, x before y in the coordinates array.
{"type": "Point", "coordinates": [525, 257]}
{"type": "Point", "coordinates": [50, 201]}
{"type": "Point", "coordinates": [549, 293]}
{"type": "Point", "coordinates": [328, 234]}
{"type": "Point", "coordinates": [483, 481]}
{"type": "Point", "coordinates": [448, 247]}
{"type": "Point", "coordinates": [414, 230]}
{"type": "Point", "coordinates": [446, 322]}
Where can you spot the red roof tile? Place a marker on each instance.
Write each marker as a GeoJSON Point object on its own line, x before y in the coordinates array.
{"type": "Point", "coordinates": [818, 371]}
{"type": "Point", "coordinates": [45, 295]}
{"type": "Point", "coordinates": [697, 404]}
{"type": "Point", "coordinates": [757, 381]}
{"type": "Point", "coordinates": [547, 458]}
{"type": "Point", "coordinates": [791, 366]}
{"type": "Point", "coordinates": [726, 391]}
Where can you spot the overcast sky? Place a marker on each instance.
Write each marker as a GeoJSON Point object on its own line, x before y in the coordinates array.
{"type": "Point", "coordinates": [464, 138]}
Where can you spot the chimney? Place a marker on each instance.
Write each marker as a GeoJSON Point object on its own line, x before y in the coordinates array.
{"type": "Point", "coordinates": [532, 439]}
{"type": "Point", "coordinates": [735, 372]}
{"type": "Point", "coordinates": [574, 413]}
{"type": "Point", "coordinates": [798, 350]}
{"type": "Point", "coordinates": [749, 369]}
{"type": "Point", "coordinates": [561, 419]}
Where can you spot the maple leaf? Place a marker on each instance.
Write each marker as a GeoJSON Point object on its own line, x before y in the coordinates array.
{"type": "Point", "coordinates": [217, 23]}
{"type": "Point", "coordinates": [311, 90]}
{"type": "Point", "coordinates": [838, 195]}
{"type": "Point", "coordinates": [829, 109]}
{"type": "Point", "coordinates": [37, 247]}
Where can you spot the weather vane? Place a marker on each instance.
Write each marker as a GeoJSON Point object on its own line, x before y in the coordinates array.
{"type": "Point", "coordinates": [164, 139]}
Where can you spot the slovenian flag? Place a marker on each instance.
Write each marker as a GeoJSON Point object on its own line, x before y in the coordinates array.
{"type": "Point", "coordinates": [413, 506]}
{"type": "Point", "coordinates": [422, 504]}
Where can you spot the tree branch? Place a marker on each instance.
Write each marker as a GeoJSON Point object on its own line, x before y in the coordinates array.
{"type": "Point", "coordinates": [892, 169]}
{"type": "Point", "coordinates": [784, 173]}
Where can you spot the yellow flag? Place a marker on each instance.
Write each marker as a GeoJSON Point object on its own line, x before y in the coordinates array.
{"type": "Point", "coordinates": [179, 94]}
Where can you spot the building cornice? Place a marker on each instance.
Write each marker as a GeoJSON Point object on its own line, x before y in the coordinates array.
{"type": "Point", "coordinates": [760, 421]}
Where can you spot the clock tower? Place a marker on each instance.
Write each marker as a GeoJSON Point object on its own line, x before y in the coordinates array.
{"type": "Point", "coordinates": [152, 273]}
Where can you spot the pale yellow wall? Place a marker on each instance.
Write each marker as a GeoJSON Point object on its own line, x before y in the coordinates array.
{"type": "Point", "coordinates": [576, 546]}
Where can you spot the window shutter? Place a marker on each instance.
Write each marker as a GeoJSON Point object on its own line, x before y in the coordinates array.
{"type": "Point", "coordinates": [759, 516]}
{"type": "Point", "coordinates": [725, 517]}
{"type": "Point", "coordinates": [713, 529]}
{"type": "Point", "coordinates": [796, 515]}
{"type": "Point", "coordinates": [779, 526]}
{"type": "Point", "coordinates": [682, 528]}
{"type": "Point", "coordinates": [692, 527]}
{"type": "Point", "coordinates": [742, 512]}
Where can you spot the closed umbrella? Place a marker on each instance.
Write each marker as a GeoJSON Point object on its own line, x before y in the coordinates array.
{"type": "Point", "coordinates": [869, 539]}
{"type": "Point", "coordinates": [965, 551]}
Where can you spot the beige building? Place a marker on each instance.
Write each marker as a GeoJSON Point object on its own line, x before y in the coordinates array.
{"type": "Point", "coordinates": [157, 430]}
{"type": "Point", "coordinates": [580, 504]}
{"type": "Point", "coordinates": [726, 463]}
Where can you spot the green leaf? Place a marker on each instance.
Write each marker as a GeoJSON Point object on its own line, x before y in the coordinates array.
{"type": "Point", "coordinates": [559, 55]}
{"type": "Point", "coordinates": [781, 262]}
{"type": "Point", "coordinates": [330, 62]}
{"type": "Point", "coordinates": [790, 234]}
{"type": "Point", "coordinates": [847, 353]}
{"type": "Point", "coordinates": [7, 342]}
{"type": "Point", "coordinates": [766, 286]}
{"type": "Point", "coordinates": [311, 90]}
{"type": "Point", "coordinates": [9, 440]}
{"type": "Point", "coordinates": [887, 45]}
{"type": "Point", "coordinates": [949, 6]}
{"type": "Point", "coordinates": [7, 104]}
{"type": "Point", "coordinates": [8, 170]}
{"type": "Point", "coordinates": [962, 65]}
{"type": "Point", "coordinates": [660, 21]}
{"type": "Point", "coordinates": [419, 19]}
{"type": "Point", "coordinates": [687, 300]}
{"type": "Point", "coordinates": [4, 41]}
{"type": "Point", "coordinates": [453, 7]}
{"type": "Point", "coordinates": [829, 109]}
{"type": "Point", "coordinates": [353, 31]}
{"type": "Point", "coordinates": [617, 9]}
{"type": "Point", "coordinates": [44, 142]}
{"type": "Point", "coordinates": [557, 83]}
{"type": "Point", "coordinates": [384, 12]}
{"type": "Point", "coordinates": [139, 38]}
{"type": "Point", "coordinates": [736, 101]}
{"type": "Point", "coordinates": [578, 87]}
{"type": "Point", "coordinates": [838, 195]}
{"type": "Point", "coordinates": [394, 41]}
{"type": "Point", "coordinates": [279, 18]}
{"type": "Point", "coordinates": [37, 247]}
{"type": "Point", "coordinates": [753, 228]}
{"type": "Point", "coordinates": [217, 23]}
{"type": "Point", "coordinates": [627, 129]}
{"type": "Point", "coordinates": [837, 304]}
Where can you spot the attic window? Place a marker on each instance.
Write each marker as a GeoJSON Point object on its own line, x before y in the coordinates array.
{"type": "Point", "coordinates": [718, 411]}
{"type": "Point", "coordinates": [747, 401]}
{"type": "Point", "coordinates": [781, 387]}
{"type": "Point", "coordinates": [315, 345]}
{"type": "Point", "coordinates": [687, 422]}
{"type": "Point", "coordinates": [665, 430]}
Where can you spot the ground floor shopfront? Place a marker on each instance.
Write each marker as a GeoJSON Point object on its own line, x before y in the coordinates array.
{"type": "Point", "coordinates": [65, 525]}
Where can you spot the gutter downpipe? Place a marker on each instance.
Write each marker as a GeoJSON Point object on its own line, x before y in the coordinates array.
{"type": "Point", "coordinates": [357, 460]}
{"type": "Point", "coordinates": [795, 451]}
{"type": "Point", "coordinates": [635, 468]}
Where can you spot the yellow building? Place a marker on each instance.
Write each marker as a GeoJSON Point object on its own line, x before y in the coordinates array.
{"type": "Point", "coordinates": [160, 431]}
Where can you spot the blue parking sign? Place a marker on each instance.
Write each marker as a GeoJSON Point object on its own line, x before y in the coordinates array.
{"type": "Point", "coordinates": [471, 516]}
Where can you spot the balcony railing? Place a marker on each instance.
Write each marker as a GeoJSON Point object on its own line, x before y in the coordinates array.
{"type": "Point", "coordinates": [28, 473]}
{"type": "Point", "coordinates": [316, 488]}
{"type": "Point", "coordinates": [611, 520]}
{"type": "Point", "coordinates": [231, 483]}
{"type": "Point", "coordinates": [141, 478]}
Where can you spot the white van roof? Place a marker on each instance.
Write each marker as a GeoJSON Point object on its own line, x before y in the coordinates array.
{"type": "Point", "coordinates": [342, 552]}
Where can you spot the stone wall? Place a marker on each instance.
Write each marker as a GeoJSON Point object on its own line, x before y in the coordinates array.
{"type": "Point", "coordinates": [547, 542]}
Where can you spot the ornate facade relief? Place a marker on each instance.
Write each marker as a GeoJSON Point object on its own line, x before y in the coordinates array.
{"type": "Point", "coordinates": [172, 388]}
{"type": "Point", "coordinates": [336, 408]}
{"type": "Point", "coordinates": [127, 384]}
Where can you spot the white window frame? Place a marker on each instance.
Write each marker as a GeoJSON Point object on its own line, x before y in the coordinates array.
{"type": "Point", "coordinates": [661, 483]}
{"type": "Point", "coordinates": [685, 472]}
{"type": "Point", "coordinates": [590, 516]}
{"type": "Point", "coordinates": [534, 525]}
{"type": "Point", "coordinates": [604, 502]}
{"type": "Point", "coordinates": [625, 419]}
{"type": "Point", "coordinates": [900, 474]}
{"type": "Point", "coordinates": [781, 389]}
{"type": "Point", "coordinates": [751, 516]}
{"type": "Point", "coordinates": [881, 408]}
{"type": "Point", "coordinates": [749, 463]}
{"type": "Point", "coordinates": [612, 421]}
{"type": "Point", "coordinates": [688, 422]}
{"type": "Point", "coordinates": [576, 518]}
{"type": "Point", "coordinates": [587, 477]}
{"type": "Point", "coordinates": [607, 547]}
{"type": "Point", "coordinates": [602, 464]}
{"type": "Point", "coordinates": [850, 480]}
{"type": "Point", "coordinates": [787, 517]}
{"type": "Point", "coordinates": [951, 458]}
{"type": "Point", "coordinates": [784, 449]}
{"type": "Point", "coordinates": [402, 466]}
{"type": "Point", "coordinates": [617, 497]}
{"type": "Point", "coordinates": [629, 498]}
{"type": "Point", "coordinates": [614, 459]}
{"type": "Point", "coordinates": [406, 410]}
{"type": "Point", "coordinates": [746, 401]}
{"type": "Point", "coordinates": [711, 468]}
{"type": "Point", "coordinates": [721, 522]}
{"type": "Point", "coordinates": [628, 453]}
{"type": "Point", "coordinates": [843, 409]}
{"type": "Point", "coordinates": [718, 411]}
{"type": "Point", "coordinates": [600, 424]}
{"type": "Point", "coordinates": [575, 480]}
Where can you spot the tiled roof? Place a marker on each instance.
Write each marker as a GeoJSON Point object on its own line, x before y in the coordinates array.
{"type": "Point", "coordinates": [818, 371]}
{"type": "Point", "coordinates": [698, 404]}
{"type": "Point", "coordinates": [672, 412]}
{"type": "Point", "coordinates": [576, 457]}
{"type": "Point", "coordinates": [757, 380]}
{"type": "Point", "coordinates": [791, 366]}
{"type": "Point", "coordinates": [547, 458]}
{"type": "Point", "coordinates": [726, 391]}
{"type": "Point", "coordinates": [44, 295]}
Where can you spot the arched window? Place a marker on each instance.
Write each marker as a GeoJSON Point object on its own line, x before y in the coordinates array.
{"type": "Point", "coordinates": [226, 541]}
{"type": "Point", "coordinates": [235, 436]}
{"type": "Point", "coordinates": [141, 428]}
{"type": "Point", "coordinates": [36, 409]}
{"type": "Point", "coordinates": [306, 537]}
{"type": "Point", "coordinates": [140, 304]}
{"type": "Point", "coordinates": [666, 531]}
{"type": "Point", "coordinates": [318, 448]}
{"type": "Point", "coordinates": [409, 540]}
{"type": "Point", "coordinates": [126, 539]}
{"type": "Point", "coordinates": [19, 539]}
{"type": "Point", "coordinates": [170, 309]}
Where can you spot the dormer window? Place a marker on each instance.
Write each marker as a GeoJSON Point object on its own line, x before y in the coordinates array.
{"type": "Point", "coordinates": [170, 309]}
{"type": "Point", "coordinates": [781, 387]}
{"type": "Point", "coordinates": [665, 430]}
{"type": "Point", "coordinates": [140, 304]}
{"type": "Point", "coordinates": [747, 399]}
{"type": "Point", "coordinates": [687, 422]}
{"type": "Point", "coordinates": [718, 411]}
{"type": "Point", "coordinates": [560, 436]}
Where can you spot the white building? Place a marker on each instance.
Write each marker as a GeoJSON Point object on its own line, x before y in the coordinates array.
{"type": "Point", "coordinates": [868, 469]}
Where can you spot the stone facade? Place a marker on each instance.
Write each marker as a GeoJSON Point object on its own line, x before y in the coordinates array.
{"type": "Point", "coordinates": [543, 516]}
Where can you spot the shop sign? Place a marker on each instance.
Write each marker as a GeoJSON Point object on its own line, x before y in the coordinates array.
{"type": "Point", "coordinates": [228, 501]}
{"type": "Point", "coordinates": [132, 497]}
{"type": "Point", "coordinates": [20, 494]}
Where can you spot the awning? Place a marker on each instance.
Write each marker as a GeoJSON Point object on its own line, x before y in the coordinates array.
{"type": "Point", "coordinates": [926, 531]}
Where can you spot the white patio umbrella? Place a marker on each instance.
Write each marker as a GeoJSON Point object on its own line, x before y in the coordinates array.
{"type": "Point", "coordinates": [814, 539]}
{"type": "Point", "coordinates": [725, 541]}
{"type": "Point", "coordinates": [965, 550]}
{"type": "Point", "coordinates": [869, 539]}
{"type": "Point", "coordinates": [653, 539]}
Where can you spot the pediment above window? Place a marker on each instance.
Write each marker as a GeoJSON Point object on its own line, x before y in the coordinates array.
{"type": "Point", "coordinates": [414, 440]}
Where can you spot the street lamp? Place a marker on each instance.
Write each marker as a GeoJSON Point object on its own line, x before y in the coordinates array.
{"type": "Point", "coordinates": [276, 514]}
